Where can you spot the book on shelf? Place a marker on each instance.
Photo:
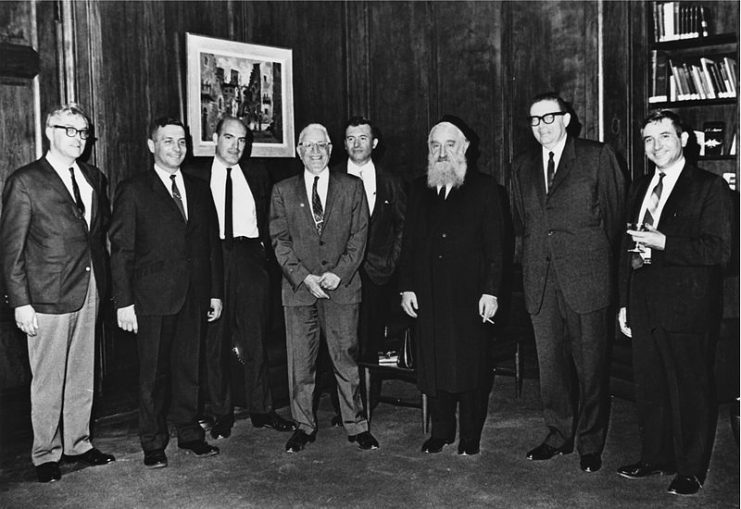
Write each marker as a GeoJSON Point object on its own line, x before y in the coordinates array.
{"type": "Point", "coordinates": [658, 77]}
{"type": "Point", "coordinates": [673, 21]}
{"type": "Point", "coordinates": [714, 135]}
{"type": "Point", "coordinates": [693, 79]}
{"type": "Point", "coordinates": [700, 138]}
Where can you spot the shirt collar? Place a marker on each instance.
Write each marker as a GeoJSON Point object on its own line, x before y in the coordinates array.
{"type": "Point", "coordinates": [674, 169]}
{"type": "Point", "coordinates": [557, 149]}
{"type": "Point", "coordinates": [164, 174]}
{"type": "Point", "coordinates": [354, 169]}
{"type": "Point", "coordinates": [309, 177]}
{"type": "Point", "coordinates": [58, 164]}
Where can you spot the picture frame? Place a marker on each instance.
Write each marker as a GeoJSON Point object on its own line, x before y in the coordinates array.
{"type": "Point", "coordinates": [248, 81]}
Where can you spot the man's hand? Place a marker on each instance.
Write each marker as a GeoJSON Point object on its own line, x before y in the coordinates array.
{"type": "Point", "coordinates": [127, 319]}
{"type": "Point", "coordinates": [651, 237]}
{"type": "Point", "coordinates": [25, 319]}
{"type": "Point", "coordinates": [409, 303]}
{"type": "Point", "coordinates": [329, 281]}
{"type": "Point", "coordinates": [214, 311]}
{"type": "Point", "coordinates": [488, 306]}
{"type": "Point", "coordinates": [313, 283]}
{"type": "Point", "coordinates": [623, 321]}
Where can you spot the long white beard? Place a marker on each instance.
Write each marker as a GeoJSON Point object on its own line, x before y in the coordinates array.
{"type": "Point", "coordinates": [451, 172]}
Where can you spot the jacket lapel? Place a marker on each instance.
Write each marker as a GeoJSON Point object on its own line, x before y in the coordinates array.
{"type": "Point", "coordinates": [56, 182]}
{"type": "Point", "coordinates": [331, 197]}
{"type": "Point", "coordinates": [680, 190]}
{"type": "Point", "coordinates": [564, 165]}
{"type": "Point", "coordinates": [536, 176]}
{"type": "Point", "coordinates": [85, 170]}
{"type": "Point", "coordinates": [164, 194]}
{"type": "Point", "coordinates": [304, 201]}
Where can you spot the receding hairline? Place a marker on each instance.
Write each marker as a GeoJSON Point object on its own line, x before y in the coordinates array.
{"type": "Point", "coordinates": [446, 124]}
{"type": "Point", "coordinates": [318, 127]}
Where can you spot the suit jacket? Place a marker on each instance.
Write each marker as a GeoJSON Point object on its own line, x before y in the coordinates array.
{"type": "Point", "coordinates": [386, 226]}
{"type": "Point", "coordinates": [46, 243]}
{"type": "Point", "coordinates": [155, 254]}
{"type": "Point", "coordinates": [259, 182]}
{"type": "Point", "coordinates": [300, 250]}
{"type": "Point", "coordinates": [575, 228]}
{"type": "Point", "coordinates": [682, 285]}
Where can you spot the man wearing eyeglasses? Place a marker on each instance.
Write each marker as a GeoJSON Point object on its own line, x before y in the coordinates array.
{"type": "Point", "coordinates": [318, 226]}
{"type": "Point", "coordinates": [52, 232]}
{"type": "Point", "coordinates": [568, 199]}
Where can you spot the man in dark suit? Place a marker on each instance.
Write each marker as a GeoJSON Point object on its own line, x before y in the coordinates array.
{"type": "Point", "coordinates": [568, 199]}
{"type": "Point", "coordinates": [241, 196]}
{"type": "Point", "coordinates": [52, 233]}
{"type": "Point", "coordinates": [450, 274]}
{"type": "Point", "coordinates": [670, 306]}
{"type": "Point", "coordinates": [167, 281]}
{"type": "Point", "coordinates": [318, 225]}
{"type": "Point", "coordinates": [387, 207]}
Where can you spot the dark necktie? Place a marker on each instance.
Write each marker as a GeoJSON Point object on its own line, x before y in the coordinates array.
{"type": "Point", "coordinates": [228, 218]}
{"type": "Point", "coordinates": [76, 192]}
{"type": "Point", "coordinates": [316, 206]}
{"type": "Point", "coordinates": [550, 172]}
{"type": "Point", "coordinates": [653, 202]}
{"type": "Point", "coordinates": [176, 196]}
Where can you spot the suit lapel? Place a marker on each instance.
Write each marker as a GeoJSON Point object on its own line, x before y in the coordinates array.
{"type": "Point", "coordinates": [304, 201]}
{"type": "Point", "coordinates": [382, 193]}
{"type": "Point", "coordinates": [635, 207]}
{"type": "Point", "coordinates": [680, 190]}
{"type": "Point", "coordinates": [332, 191]}
{"type": "Point", "coordinates": [158, 187]}
{"type": "Point", "coordinates": [564, 165]}
{"type": "Point", "coordinates": [85, 170]}
{"type": "Point", "coordinates": [536, 176]}
{"type": "Point", "coordinates": [56, 181]}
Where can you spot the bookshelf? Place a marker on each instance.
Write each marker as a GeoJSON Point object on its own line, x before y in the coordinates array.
{"type": "Point", "coordinates": [693, 70]}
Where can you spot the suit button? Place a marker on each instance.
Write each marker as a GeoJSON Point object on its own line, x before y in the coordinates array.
{"type": "Point", "coordinates": [444, 235]}
{"type": "Point", "coordinates": [550, 232]}
{"type": "Point", "coordinates": [439, 257]}
{"type": "Point", "coordinates": [87, 269]}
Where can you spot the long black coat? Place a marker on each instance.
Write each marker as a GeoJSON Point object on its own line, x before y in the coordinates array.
{"type": "Point", "coordinates": [451, 255]}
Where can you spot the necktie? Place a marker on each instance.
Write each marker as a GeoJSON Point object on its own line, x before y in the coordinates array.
{"type": "Point", "coordinates": [653, 202]}
{"type": "Point", "coordinates": [176, 196]}
{"type": "Point", "coordinates": [76, 192]}
{"type": "Point", "coordinates": [550, 172]}
{"type": "Point", "coordinates": [228, 218]}
{"type": "Point", "coordinates": [316, 205]}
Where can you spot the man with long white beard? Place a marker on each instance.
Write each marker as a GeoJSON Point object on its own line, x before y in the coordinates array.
{"type": "Point", "coordinates": [450, 273]}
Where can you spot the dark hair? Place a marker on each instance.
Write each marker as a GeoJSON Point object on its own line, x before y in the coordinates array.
{"type": "Point", "coordinates": [162, 122]}
{"type": "Point", "coordinates": [358, 120]}
{"type": "Point", "coordinates": [67, 109]}
{"type": "Point", "coordinates": [229, 118]}
{"type": "Point", "coordinates": [550, 96]}
{"type": "Point", "coordinates": [659, 115]}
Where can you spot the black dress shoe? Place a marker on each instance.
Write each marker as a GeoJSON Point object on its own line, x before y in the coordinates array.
{"type": "Point", "coordinates": [298, 440]}
{"type": "Point", "coordinates": [272, 420]}
{"type": "Point", "coordinates": [546, 452]}
{"type": "Point", "coordinates": [93, 457]}
{"type": "Point", "coordinates": [468, 447]}
{"type": "Point", "coordinates": [199, 448]}
{"type": "Point", "coordinates": [434, 445]}
{"type": "Point", "coordinates": [155, 459]}
{"type": "Point", "coordinates": [365, 440]}
{"type": "Point", "coordinates": [684, 485]}
{"type": "Point", "coordinates": [221, 429]}
{"type": "Point", "coordinates": [591, 462]}
{"type": "Point", "coordinates": [48, 472]}
{"type": "Point", "coordinates": [336, 421]}
{"type": "Point", "coordinates": [639, 470]}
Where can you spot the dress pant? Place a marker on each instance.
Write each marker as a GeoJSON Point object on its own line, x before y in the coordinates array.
{"type": "Point", "coordinates": [374, 317]}
{"type": "Point", "coordinates": [244, 323]}
{"type": "Point", "coordinates": [565, 338]}
{"type": "Point", "coordinates": [671, 371]}
{"type": "Point", "coordinates": [62, 360]}
{"type": "Point", "coordinates": [169, 348]}
{"type": "Point", "coordinates": [339, 323]}
{"type": "Point", "coordinates": [472, 409]}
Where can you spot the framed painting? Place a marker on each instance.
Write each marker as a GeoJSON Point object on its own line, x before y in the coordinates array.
{"type": "Point", "coordinates": [251, 82]}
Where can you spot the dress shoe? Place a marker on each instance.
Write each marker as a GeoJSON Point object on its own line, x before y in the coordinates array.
{"type": "Point", "coordinates": [221, 429]}
{"type": "Point", "coordinates": [298, 440]}
{"type": "Point", "coordinates": [468, 447]}
{"type": "Point", "coordinates": [590, 462]}
{"type": "Point", "coordinates": [272, 420]}
{"type": "Point", "coordinates": [48, 472]}
{"type": "Point", "coordinates": [155, 459]}
{"type": "Point", "coordinates": [365, 440]}
{"type": "Point", "coordinates": [336, 421]}
{"type": "Point", "coordinates": [639, 470]}
{"type": "Point", "coordinates": [546, 452]}
{"type": "Point", "coordinates": [199, 448]}
{"type": "Point", "coordinates": [93, 457]}
{"type": "Point", "coordinates": [434, 445]}
{"type": "Point", "coordinates": [684, 485]}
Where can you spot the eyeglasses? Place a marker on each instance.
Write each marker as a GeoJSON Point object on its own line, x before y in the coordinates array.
{"type": "Point", "coordinates": [321, 146]}
{"type": "Point", "coordinates": [548, 118]}
{"type": "Point", "coordinates": [72, 131]}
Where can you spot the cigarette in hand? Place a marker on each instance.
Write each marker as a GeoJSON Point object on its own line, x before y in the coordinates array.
{"type": "Point", "coordinates": [488, 320]}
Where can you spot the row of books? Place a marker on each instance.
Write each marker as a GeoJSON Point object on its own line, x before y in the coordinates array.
{"type": "Point", "coordinates": [694, 79]}
{"type": "Point", "coordinates": [679, 20]}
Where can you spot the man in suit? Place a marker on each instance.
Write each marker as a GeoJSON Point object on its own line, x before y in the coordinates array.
{"type": "Point", "coordinates": [167, 281]}
{"type": "Point", "coordinates": [670, 306]}
{"type": "Point", "coordinates": [319, 225]}
{"type": "Point", "coordinates": [568, 199]}
{"type": "Point", "coordinates": [52, 232]}
{"type": "Point", "coordinates": [450, 274]}
{"type": "Point", "coordinates": [241, 197]}
{"type": "Point", "coordinates": [387, 207]}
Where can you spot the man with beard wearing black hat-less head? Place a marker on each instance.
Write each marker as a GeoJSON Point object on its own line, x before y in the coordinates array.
{"type": "Point", "coordinates": [450, 274]}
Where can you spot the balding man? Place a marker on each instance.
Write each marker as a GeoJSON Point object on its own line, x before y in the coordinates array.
{"type": "Point", "coordinates": [318, 227]}
{"type": "Point", "coordinates": [450, 272]}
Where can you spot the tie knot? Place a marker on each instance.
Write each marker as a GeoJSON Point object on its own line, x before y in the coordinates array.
{"type": "Point", "coordinates": [316, 180]}
{"type": "Point", "coordinates": [172, 177]}
{"type": "Point", "coordinates": [550, 156]}
{"type": "Point", "coordinates": [72, 171]}
{"type": "Point", "coordinates": [228, 171]}
{"type": "Point", "coordinates": [661, 175]}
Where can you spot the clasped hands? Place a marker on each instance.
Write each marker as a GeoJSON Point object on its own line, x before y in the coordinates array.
{"type": "Point", "coordinates": [127, 321]}
{"type": "Point", "coordinates": [650, 237]}
{"type": "Point", "coordinates": [317, 284]}
{"type": "Point", "coordinates": [488, 305]}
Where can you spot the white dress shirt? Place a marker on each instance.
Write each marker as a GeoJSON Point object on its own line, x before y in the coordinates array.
{"type": "Point", "coordinates": [671, 175]}
{"type": "Point", "coordinates": [557, 153]}
{"type": "Point", "coordinates": [86, 190]}
{"type": "Point", "coordinates": [244, 210]}
{"type": "Point", "coordinates": [164, 176]}
{"type": "Point", "coordinates": [366, 173]}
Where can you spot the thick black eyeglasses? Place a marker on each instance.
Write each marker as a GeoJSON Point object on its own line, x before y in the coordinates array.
{"type": "Point", "coordinates": [548, 118]}
{"type": "Point", "coordinates": [72, 131]}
